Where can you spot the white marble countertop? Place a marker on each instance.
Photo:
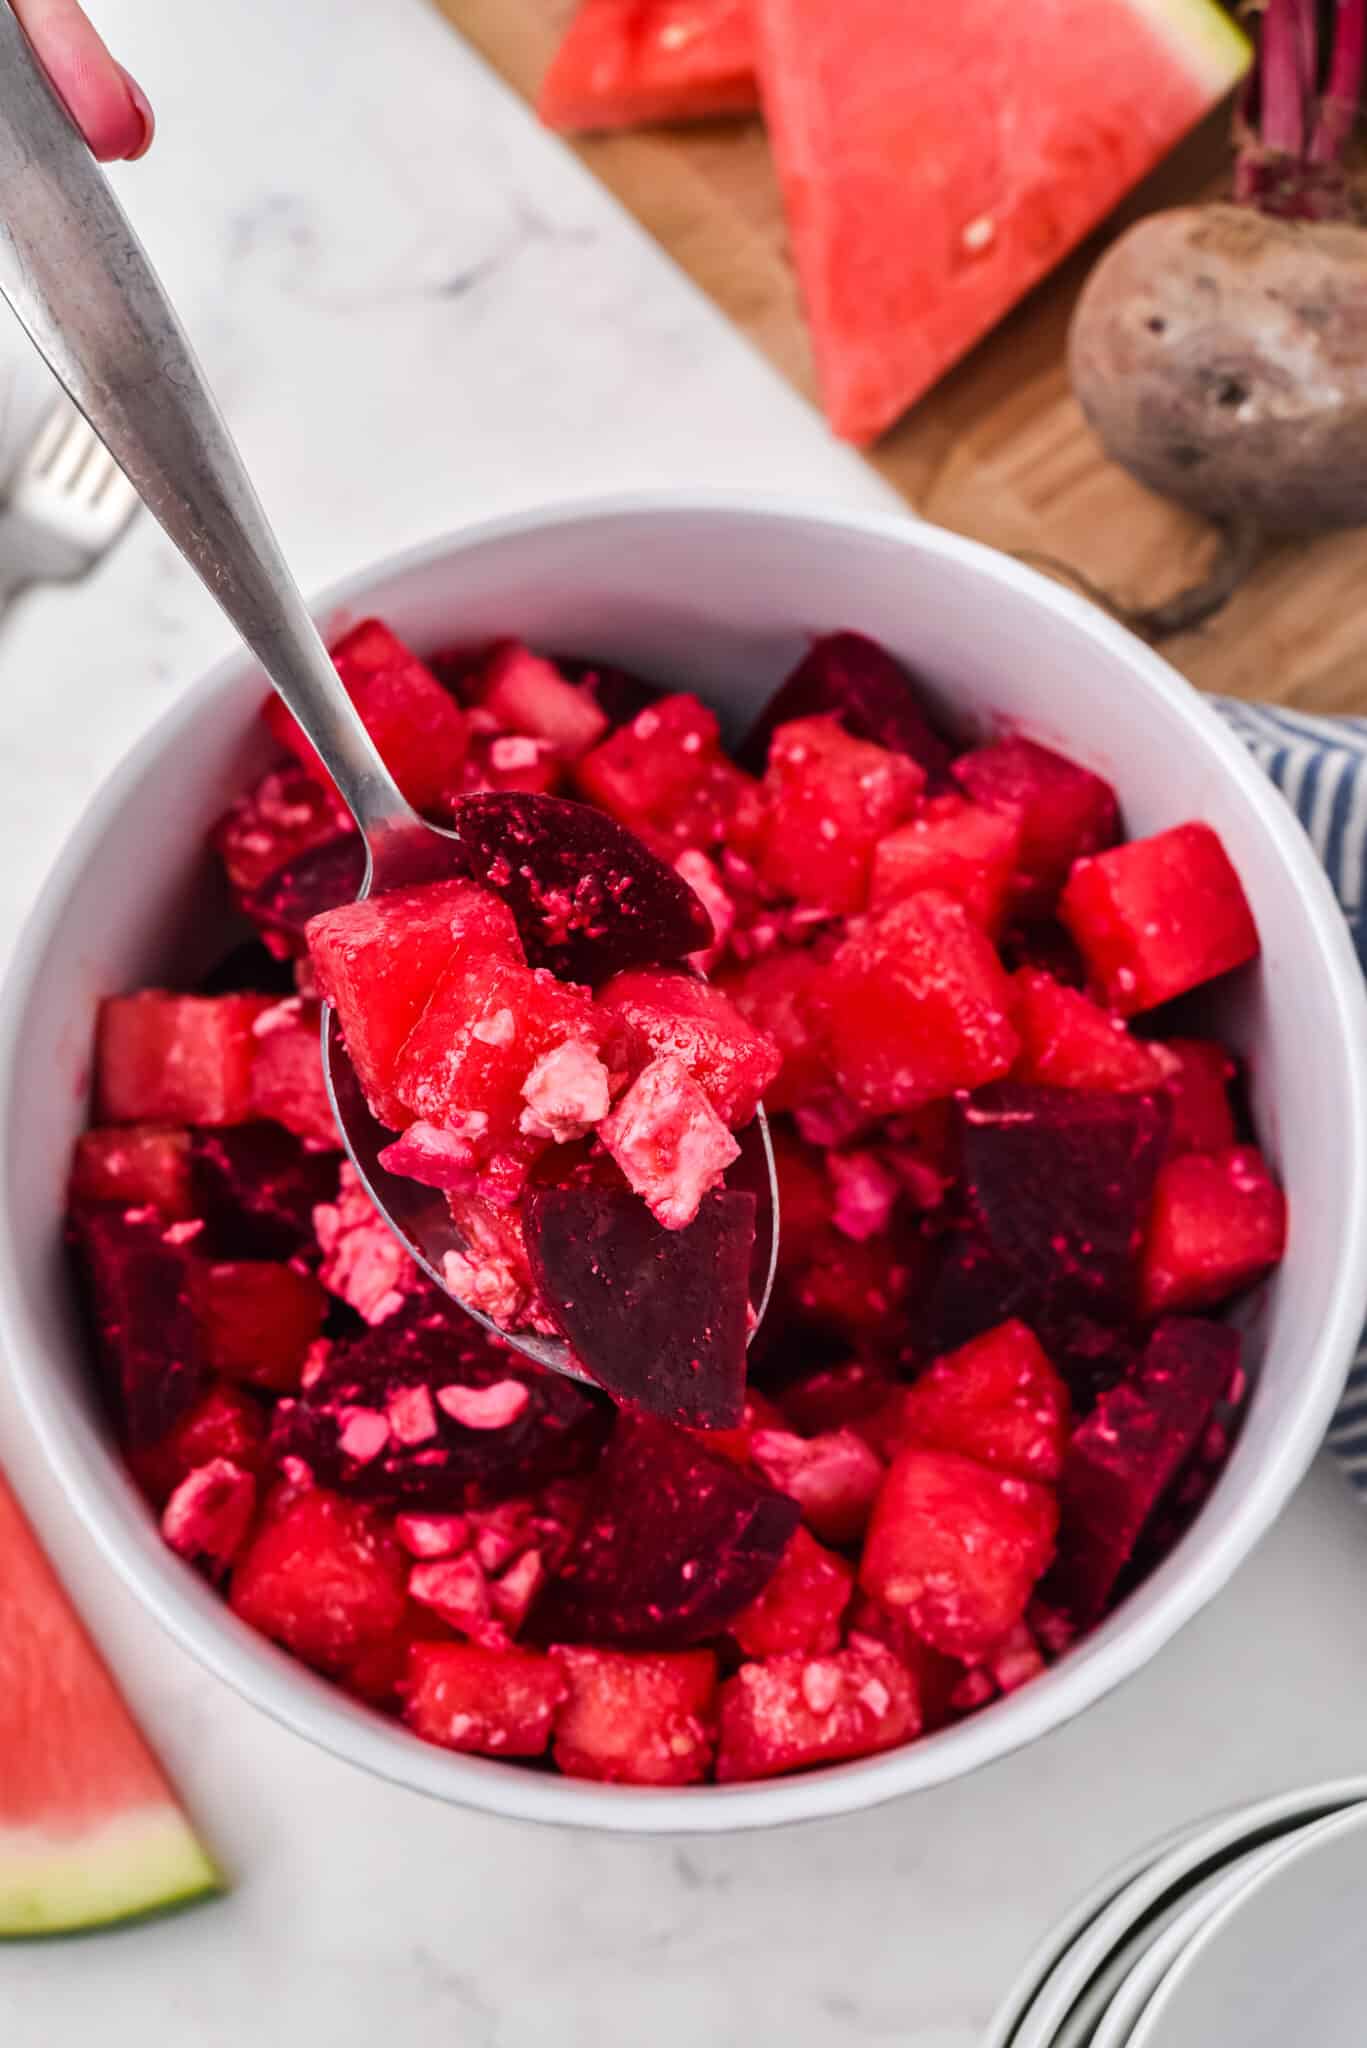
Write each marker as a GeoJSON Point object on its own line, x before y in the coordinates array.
{"type": "Point", "coordinates": [417, 309]}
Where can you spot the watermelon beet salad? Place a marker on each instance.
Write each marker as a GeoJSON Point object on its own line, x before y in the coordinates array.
{"type": "Point", "coordinates": [1017, 1187]}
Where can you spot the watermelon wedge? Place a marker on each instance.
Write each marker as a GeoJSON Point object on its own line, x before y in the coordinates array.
{"type": "Point", "coordinates": [91, 1832]}
{"type": "Point", "coordinates": [937, 161]}
{"type": "Point", "coordinates": [628, 61]}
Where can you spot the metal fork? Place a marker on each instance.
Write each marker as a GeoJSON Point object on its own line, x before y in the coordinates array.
{"type": "Point", "coordinates": [69, 503]}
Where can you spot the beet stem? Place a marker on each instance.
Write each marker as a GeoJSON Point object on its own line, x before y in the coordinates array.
{"type": "Point", "coordinates": [1343, 87]}
{"type": "Point", "coordinates": [1287, 85]}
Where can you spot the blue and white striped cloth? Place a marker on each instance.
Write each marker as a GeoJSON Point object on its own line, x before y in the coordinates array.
{"type": "Point", "coordinates": [1320, 766]}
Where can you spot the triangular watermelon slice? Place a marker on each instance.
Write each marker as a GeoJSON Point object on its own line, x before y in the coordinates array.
{"type": "Point", "coordinates": [627, 61]}
{"type": "Point", "coordinates": [938, 160]}
{"type": "Point", "coordinates": [90, 1831]}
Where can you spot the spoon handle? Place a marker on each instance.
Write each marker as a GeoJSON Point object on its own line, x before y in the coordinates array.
{"type": "Point", "coordinates": [81, 284]}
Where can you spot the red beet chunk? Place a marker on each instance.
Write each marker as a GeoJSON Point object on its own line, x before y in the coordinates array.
{"type": "Point", "coordinates": [1063, 810]}
{"type": "Point", "coordinates": [135, 1164]}
{"type": "Point", "coordinates": [1128, 1452]}
{"type": "Point", "coordinates": [144, 1327]}
{"type": "Point", "coordinates": [176, 1059]}
{"type": "Point", "coordinates": [957, 1548]}
{"type": "Point", "coordinates": [1067, 1041]}
{"type": "Point", "coordinates": [801, 1607]}
{"type": "Point", "coordinates": [377, 963]}
{"type": "Point", "coordinates": [633, 1719]}
{"type": "Point", "coordinates": [286, 814]}
{"type": "Point", "coordinates": [425, 1413]}
{"type": "Point", "coordinates": [998, 1400]}
{"type": "Point", "coordinates": [837, 1396]}
{"type": "Point", "coordinates": [830, 800]}
{"type": "Point", "coordinates": [775, 993]}
{"type": "Point", "coordinates": [966, 850]}
{"type": "Point", "coordinates": [793, 1711]}
{"type": "Point", "coordinates": [674, 1544]}
{"type": "Point", "coordinates": [665, 776]}
{"type": "Point", "coordinates": [732, 1062]}
{"type": "Point", "coordinates": [915, 1007]}
{"type": "Point", "coordinates": [1200, 1074]}
{"type": "Point", "coordinates": [485, 1702]}
{"type": "Point", "coordinates": [1159, 916]}
{"type": "Point", "coordinates": [657, 1316]}
{"type": "Point", "coordinates": [314, 881]}
{"type": "Point", "coordinates": [324, 1577]}
{"type": "Point", "coordinates": [256, 1188]}
{"type": "Point", "coordinates": [257, 1319]}
{"type": "Point", "coordinates": [228, 1424]}
{"type": "Point", "coordinates": [527, 694]}
{"type": "Point", "coordinates": [871, 694]}
{"type": "Point", "coordinates": [1218, 1224]}
{"type": "Point", "coordinates": [418, 730]}
{"type": "Point", "coordinates": [287, 1085]}
{"type": "Point", "coordinates": [587, 896]}
{"type": "Point", "coordinates": [1060, 1183]}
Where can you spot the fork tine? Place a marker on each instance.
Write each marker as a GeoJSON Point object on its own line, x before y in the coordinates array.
{"type": "Point", "coordinates": [50, 437]}
{"type": "Point", "coordinates": [117, 498]}
{"type": "Point", "coordinates": [96, 473]}
{"type": "Point", "coordinates": [72, 454]}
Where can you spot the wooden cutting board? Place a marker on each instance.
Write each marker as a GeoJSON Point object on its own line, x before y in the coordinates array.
{"type": "Point", "coordinates": [999, 449]}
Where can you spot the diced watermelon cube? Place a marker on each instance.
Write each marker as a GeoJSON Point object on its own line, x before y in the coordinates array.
{"type": "Point", "coordinates": [136, 1164]}
{"type": "Point", "coordinates": [378, 961]}
{"type": "Point", "coordinates": [916, 1007]}
{"type": "Point", "coordinates": [287, 813]}
{"type": "Point", "coordinates": [775, 993]}
{"type": "Point", "coordinates": [379, 1675]}
{"type": "Point", "coordinates": [1062, 809]}
{"type": "Point", "coordinates": [669, 1142]}
{"type": "Point", "coordinates": [418, 729]}
{"type": "Point", "coordinates": [632, 1719]}
{"type": "Point", "coordinates": [527, 694]}
{"type": "Point", "coordinates": [665, 774]}
{"type": "Point", "coordinates": [793, 1711]}
{"type": "Point", "coordinates": [1218, 1223]}
{"type": "Point", "coordinates": [467, 1060]}
{"type": "Point", "coordinates": [1068, 1041]}
{"type": "Point", "coordinates": [287, 1084]}
{"type": "Point", "coordinates": [176, 1059]}
{"type": "Point", "coordinates": [801, 1607]}
{"type": "Point", "coordinates": [834, 1478]}
{"type": "Point", "coordinates": [958, 1548]}
{"type": "Point", "coordinates": [701, 1027]}
{"type": "Point", "coordinates": [1159, 916]}
{"type": "Point", "coordinates": [831, 798]}
{"type": "Point", "coordinates": [499, 761]}
{"type": "Point", "coordinates": [998, 1400]}
{"type": "Point", "coordinates": [1198, 1078]}
{"type": "Point", "coordinates": [257, 1319]}
{"type": "Point", "coordinates": [324, 1577]}
{"type": "Point", "coordinates": [1127, 1453]}
{"type": "Point", "coordinates": [852, 1292]}
{"type": "Point", "coordinates": [207, 1517]}
{"type": "Point", "coordinates": [487, 1702]}
{"type": "Point", "coordinates": [226, 1424]}
{"type": "Point", "coordinates": [138, 1279]}
{"type": "Point", "coordinates": [965, 849]}
{"type": "Point", "coordinates": [625, 62]}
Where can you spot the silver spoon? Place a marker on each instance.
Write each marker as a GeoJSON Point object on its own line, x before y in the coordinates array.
{"type": "Point", "coordinates": [82, 286]}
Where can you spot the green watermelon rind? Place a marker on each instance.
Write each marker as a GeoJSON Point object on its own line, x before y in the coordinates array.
{"type": "Point", "coordinates": [1205, 41]}
{"type": "Point", "coordinates": [130, 1868]}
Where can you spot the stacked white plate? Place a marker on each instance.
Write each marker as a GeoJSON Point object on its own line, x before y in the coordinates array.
{"type": "Point", "coordinates": [1246, 1927]}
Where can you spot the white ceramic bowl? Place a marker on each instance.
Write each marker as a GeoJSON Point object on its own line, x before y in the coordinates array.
{"type": "Point", "coordinates": [718, 595]}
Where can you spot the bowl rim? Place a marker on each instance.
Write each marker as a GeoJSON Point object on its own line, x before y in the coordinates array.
{"type": "Point", "coordinates": [279, 1686]}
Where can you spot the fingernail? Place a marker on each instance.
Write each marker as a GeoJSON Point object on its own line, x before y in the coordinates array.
{"type": "Point", "coordinates": [143, 108]}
